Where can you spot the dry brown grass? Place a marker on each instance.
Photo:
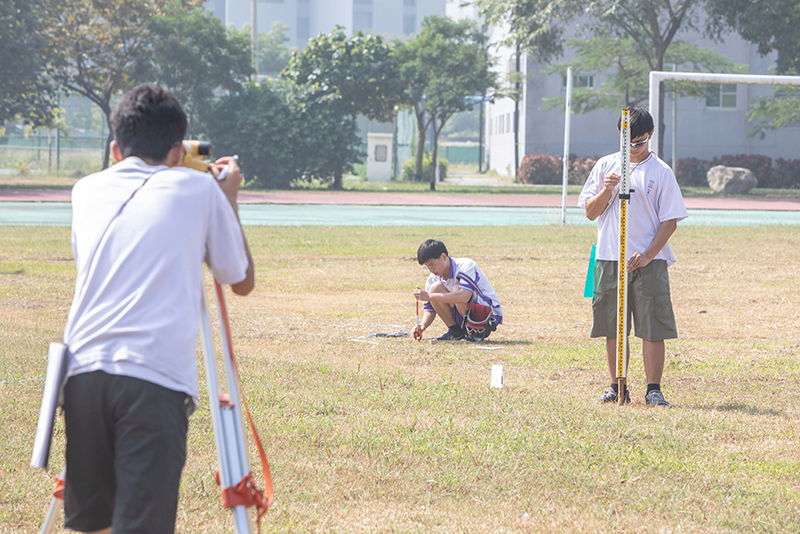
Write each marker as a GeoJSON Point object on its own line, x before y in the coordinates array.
{"type": "Point", "coordinates": [408, 437]}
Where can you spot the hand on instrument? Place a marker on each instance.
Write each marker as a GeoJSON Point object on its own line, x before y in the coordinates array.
{"type": "Point", "coordinates": [419, 294]}
{"type": "Point", "coordinates": [418, 332]}
{"type": "Point", "coordinates": [611, 180]}
{"type": "Point", "coordinates": [637, 260]}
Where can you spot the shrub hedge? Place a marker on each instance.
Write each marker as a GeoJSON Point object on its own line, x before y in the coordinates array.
{"type": "Point", "coordinates": [546, 169]}
{"type": "Point", "coordinates": [783, 174]}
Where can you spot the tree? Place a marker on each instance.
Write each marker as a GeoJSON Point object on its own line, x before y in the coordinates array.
{"type": "Point", "coordinates": [273, 54]}
{"type": "Point", "coordinates": [444, 65]}
{"type": "Point", "coordinates": [773, 25]}
{"type": "Point", "coordinates": [628, 72]}
{"type": "Point", "coordinates": [650, 24]}
{"type": "Point", "coordinates": [98, 49]}
{"type": "Point", "coordinates": [283, 135]}
{"type": "Point", "coordinates": [193, 55]}
{"type": "Point", "coordinates": [25, 90]}
{"type": "Point", "coordinates": [354, 75]}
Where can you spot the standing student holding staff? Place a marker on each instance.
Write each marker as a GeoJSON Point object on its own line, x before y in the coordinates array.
{"type": "Point", "coordinates": [141, 231]}
{"type": "Point", "coordinates": [656, 206]}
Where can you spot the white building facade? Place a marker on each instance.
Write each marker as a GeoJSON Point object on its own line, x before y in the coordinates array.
{"type": "Point", "coordinates": [308, 18]}
{"type": "Point", "coordinates": [705, 127]}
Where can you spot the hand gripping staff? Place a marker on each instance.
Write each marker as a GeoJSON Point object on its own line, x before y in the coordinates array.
{"type": "Point", "coordinates": [622, 287]}
{"type": "Point", "coordinates": [234, 476]}
{"type": "Point", "coordinates": [418, 328]}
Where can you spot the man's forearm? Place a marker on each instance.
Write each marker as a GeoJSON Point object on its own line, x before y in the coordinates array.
{"type": "Point", "coordinates": [665, 231]}
{"type": "Point", "coordinates": [598, 204]}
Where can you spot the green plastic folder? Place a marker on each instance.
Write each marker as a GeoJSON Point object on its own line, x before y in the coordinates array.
{"type": "Point", "coordinates": [588, 289]}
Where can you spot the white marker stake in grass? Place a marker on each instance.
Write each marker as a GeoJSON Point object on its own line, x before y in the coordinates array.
{"type": "Point", "coordinates": [497, 376]}
{"type": "Point", "coordinates": [622, 288]}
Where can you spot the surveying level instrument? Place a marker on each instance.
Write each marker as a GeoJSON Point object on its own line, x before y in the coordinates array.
{"type": "Point", "coordinates": [622, 287]}
{"type": "Point", "coordinates": [194, 153]}
{"type": "Point", "coordinates": [234, 476]}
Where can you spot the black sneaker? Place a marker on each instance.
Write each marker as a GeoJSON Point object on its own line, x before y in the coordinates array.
{"type": "Point", "coordinates": [450, 336]}
{"type": "Point", "coordinates": [474, 339]}
{"type": "Point", "coordinates": [656, 398]}
{"type": "Point", "coordinates": [609, 395]}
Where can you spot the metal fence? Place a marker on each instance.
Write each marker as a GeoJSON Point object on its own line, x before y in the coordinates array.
{"type": "Point", "coordinates": [39, 154]}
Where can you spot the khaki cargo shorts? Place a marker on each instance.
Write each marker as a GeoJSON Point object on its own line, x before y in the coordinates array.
{"type": "Point", "coordinates": [648, 301]}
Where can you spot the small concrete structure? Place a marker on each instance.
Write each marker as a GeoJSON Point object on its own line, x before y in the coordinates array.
{"type": "Point", "coordinates": [731, 180]}
{"type": "Point", "coordinates": [379, 156]}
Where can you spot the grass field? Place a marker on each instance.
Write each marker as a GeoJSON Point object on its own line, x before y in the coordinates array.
{"type": "Point", "coordinates": [409, 437]}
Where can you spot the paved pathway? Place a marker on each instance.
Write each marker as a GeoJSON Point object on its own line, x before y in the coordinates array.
{"type": "Point", "coordinates": [421, 199]}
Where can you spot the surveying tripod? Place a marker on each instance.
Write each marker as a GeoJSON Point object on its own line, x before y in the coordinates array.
{"type": "Point", "coordinates": [234, 476]}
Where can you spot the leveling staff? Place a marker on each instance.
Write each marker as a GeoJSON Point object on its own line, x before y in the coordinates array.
{"type": "Point", "coordinates": [140, 233]}
{"type": "Point", "coordinates": [656, 206]}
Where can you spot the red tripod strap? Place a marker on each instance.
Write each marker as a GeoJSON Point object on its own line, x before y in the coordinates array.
{"type": "Point", "coordinates": [245, 492]}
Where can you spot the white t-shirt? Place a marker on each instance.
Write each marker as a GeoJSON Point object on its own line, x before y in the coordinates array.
{"type": "Point", "coordinates": [139, 313]}
{"type": "Point", "coordinates": [656, 198]}
{"type": "Point", "coordinates": [469, 276]}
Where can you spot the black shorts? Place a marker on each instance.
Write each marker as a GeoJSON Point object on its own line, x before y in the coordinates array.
{"type": "Point", "coordinates": [126, 447]}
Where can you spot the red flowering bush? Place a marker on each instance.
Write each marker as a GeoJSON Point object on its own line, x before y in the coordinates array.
{"type": "Point", "coordinates": [540, 169]}
{"type": "Point", "coordinates": [546, 169]}
{"type": "Point", "coordinates": [786, 174]}
{"type": "Point", "coordinates": [580, 168]}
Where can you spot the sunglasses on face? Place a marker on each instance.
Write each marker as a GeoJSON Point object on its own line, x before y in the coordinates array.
{"type": "Point", "coordinates": [641, 143]}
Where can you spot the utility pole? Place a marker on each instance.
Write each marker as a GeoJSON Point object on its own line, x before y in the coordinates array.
{"type": "Point", "coordinates": [254, 35]}
{"type": "Point", "coordinates": [516, 118]}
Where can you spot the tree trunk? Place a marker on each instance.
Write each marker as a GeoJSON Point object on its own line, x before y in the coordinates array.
{"type": "Point", "coordinates": [107, 149]}
{"type": "Point", "coordinates": [337, 179]}
{"type": "Point", "coordinates": [435, 158]}
{"type": "Point", "coordinates": [420, 151]}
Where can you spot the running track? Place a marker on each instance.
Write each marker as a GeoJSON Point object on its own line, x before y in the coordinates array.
{"type": "Point", "coordinates": [421, 199]}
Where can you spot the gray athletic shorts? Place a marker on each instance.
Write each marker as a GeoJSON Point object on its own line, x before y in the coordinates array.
{"type": "Point", "coordinates": [126, 446]}
{"type": "Point", "coordinates": [648, 301]}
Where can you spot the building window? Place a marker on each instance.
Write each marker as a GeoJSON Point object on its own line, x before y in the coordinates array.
{"type": "Point", "coordinates": [409, 23]}
{"type": "Point", "coordinates": [363, 2]}
{"type": "Point", "coordinates": [510, 124]}
{"type": "Point", "coordinates": [411, 3]}
{"type": "Point", "coordinates": [579, 81]}
{"type": "Point", "coordinates": [380, 152]}
{"type": "Point", "coordinates": [303, 30]}
{"type": "Point", "coordinates": [721, 95]}
{"type": "Point", "coordinates": [362, 21]}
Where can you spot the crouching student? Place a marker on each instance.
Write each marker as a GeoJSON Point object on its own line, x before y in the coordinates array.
{"type": "Point", "coordinates": [458, 291]}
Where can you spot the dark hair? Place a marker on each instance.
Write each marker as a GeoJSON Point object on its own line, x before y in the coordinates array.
{"type": "Point", "coordinates": [640, 122]}
{"type": "Point", "coordinates": [148, 122]}
{"type": "Point", "coordinates": [430, 249]}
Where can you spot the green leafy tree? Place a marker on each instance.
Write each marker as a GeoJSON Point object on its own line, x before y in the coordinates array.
{"type": "Point", "coordinates": [628, 72]}
{"type": "Point", "coordinates": [98, 49]}
{"type": "Point", "coordinates": [193, 55]}
{"type": "Point", "coordinates": [273, 54]}
{"type": "Point", "coordinates": [650, 24]}
{"type": "Point", "coordinates": [25, 91]}
{"type": "Point", "coordinates": [772, 25]}
{"type": "Point", "coordinates": [444, 65]}
{"type": "Point", "coordinates": [352, 75]}
{"type": "Point", "coordinates": [283, 135]}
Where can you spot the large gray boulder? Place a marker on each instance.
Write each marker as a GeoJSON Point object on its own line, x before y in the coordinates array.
{"type": "Point", "coordinates": [731, 180]}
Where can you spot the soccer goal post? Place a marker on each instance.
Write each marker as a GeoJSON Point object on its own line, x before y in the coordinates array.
{"type": "Point", "coordinates": [656, 77]}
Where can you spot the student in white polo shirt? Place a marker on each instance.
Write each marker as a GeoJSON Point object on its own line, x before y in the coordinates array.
{"type": "Point", "coordinates": [141, 231]}
{"type": "Point", "coordinates": [655, 208]}
{"type": "Point", "coordinates": [459, 292]}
